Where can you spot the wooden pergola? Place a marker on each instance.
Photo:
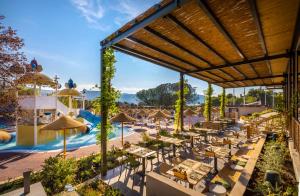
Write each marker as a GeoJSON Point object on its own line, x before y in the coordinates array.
{"type": "Point", "coordinates": [232, 43]}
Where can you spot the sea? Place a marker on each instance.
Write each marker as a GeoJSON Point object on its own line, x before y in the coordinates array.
{"type": "Point", "coordinates": [125, 97]}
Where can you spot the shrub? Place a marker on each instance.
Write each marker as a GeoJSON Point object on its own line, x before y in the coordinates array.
{"type": "Point", "coordinates": [88, 167]}
{"type": "Point", "coordinates": [275, 157]}
{"type": "Point", "coordinates": [164, 132]}
{"type": "Point", "coordinates": [57, 172]}
{"type": "Point", "coordinates": [145, 137]}
{"type": "Point", "coordinates": [98, 187]}
{"type": "Point", "coordinates": [197, 125]}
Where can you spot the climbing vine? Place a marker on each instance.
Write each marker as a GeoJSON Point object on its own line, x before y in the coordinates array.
{"type": "Point", "coordinates": [109, 95]}
{"type": "Point", "coordinates": [178, 103]}
{"type": "Point", "coordinates": [208, 103]}
{"type": "Point", "coordinates": [222, 103]}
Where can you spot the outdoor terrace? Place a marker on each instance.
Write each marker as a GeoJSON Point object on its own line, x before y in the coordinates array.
{"type": "Point", "coordinates": [227, 43]}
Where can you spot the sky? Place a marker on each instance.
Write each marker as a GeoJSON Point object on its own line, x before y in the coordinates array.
{"type": "Point", "coordinates": [64, 36]}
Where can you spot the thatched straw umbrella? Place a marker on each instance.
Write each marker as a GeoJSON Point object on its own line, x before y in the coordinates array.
{"type": "Point", "coordinates": [142, 113]}
{"type": "Point", "coordinates": [130, 112]}
{"type": "Point", "coordinates": [63, 123]}
{"type": "Point", "coordinates": [158, 116]}
{"type": "Point", "coordinates": [36, 78]}
{"type": "Point", "coordinates": [189, 113]}
{"type": "Point", "coordinates": [70, 92]}
{"type": "Point", "coordinates": [121, 118]}
{"type": "Point", "coordinates": [167, 112]}
{"type": "Point", "coordinates": [4, 136]}
{"type": "Point", "coordinates": [199, 110]}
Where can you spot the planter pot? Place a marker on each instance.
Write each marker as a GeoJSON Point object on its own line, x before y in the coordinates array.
{"type": "Point", "coordinates": [273, 177]}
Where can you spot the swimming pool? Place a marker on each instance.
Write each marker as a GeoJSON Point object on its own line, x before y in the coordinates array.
{"type": "Point", "coordinates": [73, 142]}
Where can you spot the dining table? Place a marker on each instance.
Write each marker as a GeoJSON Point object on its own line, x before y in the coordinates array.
{"type": "Point", "coordinates": [140, 152]}
{"type": "Point", "coordinates": [218, 152]}
{"type": "Point", "coordinates": [170, 140]}
{"type": "Point", "coordinates": [195, 171]}
{"type": "Point", "coordinates": [205, 131]}
{"type": "Point", "coordinates": [190, 134]}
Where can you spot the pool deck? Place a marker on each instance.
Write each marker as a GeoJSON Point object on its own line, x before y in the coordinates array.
{"type": "Point", "coordinates": [12, 164]}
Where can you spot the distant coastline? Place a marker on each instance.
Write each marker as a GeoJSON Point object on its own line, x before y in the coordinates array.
{"type": "Point", "coordinates": [125, 97]}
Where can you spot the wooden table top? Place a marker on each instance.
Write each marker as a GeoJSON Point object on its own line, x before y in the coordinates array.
{"type": "Point", "coordinates": [205, 130]}
{"type": "Point", "coordinates": [219, 151]}
{"type": "Point", "coordinates": [139, 151]}
{"type": "Point", "coordinates": [169, 140]}
{"type": "Point", "coordinates": [195, 170]}
{"type": "Point", "coordinates": [189, 133]}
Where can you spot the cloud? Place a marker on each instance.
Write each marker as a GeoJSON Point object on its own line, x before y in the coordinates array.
{"type": "Point", "coordinates": [49, 56]}
{"type": "Point", "coordinates": [92, 11]}
{"type": "Point", "coordinates": [128, 9]}
{"type": "Point", "coordinates": [90, 86]}
{"type": "Point", "coordinates": [97, 12]}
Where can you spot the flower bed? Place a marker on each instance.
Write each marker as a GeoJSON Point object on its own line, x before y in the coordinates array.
{"type": "Point", "coordinates": [274, 161]}
{"type": "Point", "coordinates": [97, 188]}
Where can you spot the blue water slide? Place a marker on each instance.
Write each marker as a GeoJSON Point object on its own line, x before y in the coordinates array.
{"type": "Point", "coordinates": [87, 115]}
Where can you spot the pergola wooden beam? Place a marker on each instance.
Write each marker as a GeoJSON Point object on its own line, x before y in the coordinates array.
{"type": "Point", "coordinates": [257, 21]}
{"type": "Point", "coordinates": [296, 35]}
{"type": "Point", "coordinates": [190, 33]}
{"type": "Point", "coordinates": [257, 78]}
{"type": "Point", "coordinates": [219, 26]}
{"type": "Point", "coordinates": [271, 57]}
{"type": "Point", "coordinates": [164, 38]}
{"type": "Point", "coordinates": [146, 57]}
{"type": "Point", "coordinates": [149, 46]}
{"type": "Point", "coordinates": [273, 84]}
{"type": "Point", "coordinates": [157, 61]}
{"type": "Point", "coordinates": [223, 30]}
{"type": "Point", "coordinates": [160, 11]}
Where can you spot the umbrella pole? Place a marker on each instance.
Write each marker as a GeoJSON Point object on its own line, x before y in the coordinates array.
{"type": "Point", "coordinates": [35, 116]}
{"type": "Point", "coordinates": [65, 143]}
{"type": "Point", "coordinates": [70, 104]}
{"type": "Point", "coordinates": [122, 135]}
{"type": "Point", "coordinates": [159, 124]}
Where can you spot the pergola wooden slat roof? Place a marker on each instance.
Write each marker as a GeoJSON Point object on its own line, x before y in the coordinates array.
{"type": "Point", "coordinates": [232, 43]}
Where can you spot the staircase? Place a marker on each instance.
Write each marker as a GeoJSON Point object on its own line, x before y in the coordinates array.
{"type": "Point", "coordinates": [62, 108]}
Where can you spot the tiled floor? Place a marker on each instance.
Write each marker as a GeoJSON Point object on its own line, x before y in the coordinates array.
{"type": "Point", "coordinates": [133, 184]}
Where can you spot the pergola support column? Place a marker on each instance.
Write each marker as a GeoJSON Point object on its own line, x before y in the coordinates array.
{"type": "Point", "coordinates": [181, 101]}
{"type": "Point", "coordinates": [296, 65]}
{"type": "Point", "coordinates": [104, 118]}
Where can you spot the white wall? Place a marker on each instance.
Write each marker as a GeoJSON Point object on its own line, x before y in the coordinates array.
{"type": "Point", "coordinates": [42, 102]}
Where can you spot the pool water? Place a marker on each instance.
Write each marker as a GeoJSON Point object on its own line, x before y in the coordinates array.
{"type": "Point", "coordinates": [73, 142]}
